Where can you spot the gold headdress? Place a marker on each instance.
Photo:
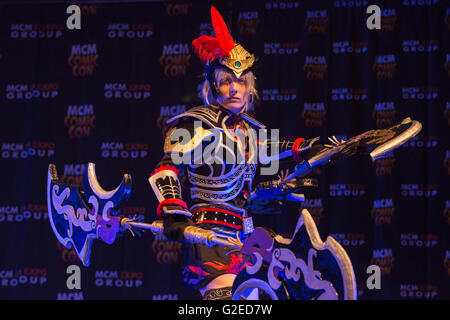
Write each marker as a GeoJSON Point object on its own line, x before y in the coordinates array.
{"type": "Point", "coordinates": [222, 50]}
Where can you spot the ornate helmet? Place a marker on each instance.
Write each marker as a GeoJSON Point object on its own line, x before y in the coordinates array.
{"type": "Point", "coordinates": [221, 51]}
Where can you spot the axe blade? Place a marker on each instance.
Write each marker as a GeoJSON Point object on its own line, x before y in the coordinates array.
{"type": "Point", "coordinates": [301, 268]}
{"type": "Point", "coordinates": [374, 143]}
{"type": "Point", "coordinates": [79, 215]}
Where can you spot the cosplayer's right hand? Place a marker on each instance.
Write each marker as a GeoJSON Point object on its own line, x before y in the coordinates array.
{"type": "Point", "coordinates": [174, 225]}
{"type": "Point", "coordinates": [176, 210]}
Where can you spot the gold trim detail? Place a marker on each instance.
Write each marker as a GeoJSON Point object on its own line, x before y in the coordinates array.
{"type": "Point", "coordinates": [239, 60]}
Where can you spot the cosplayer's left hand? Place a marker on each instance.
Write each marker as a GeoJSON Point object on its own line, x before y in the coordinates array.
{"type": "Point", "coordinates": [335, 142]}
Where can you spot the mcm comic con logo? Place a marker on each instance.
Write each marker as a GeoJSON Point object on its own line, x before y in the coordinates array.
{"type": "Point", "coordinates": [420, 93]}
{"type": "Point", "coordinates": [316, 21]}
{"type": "Point", "coordinates": [121, 150]}
{"type": "Point", "coordinates": [383, 211]}
{"type": "Point", "coordinates": [130, 91]}
{"type": "Point", "coordinates": [384, 259]}
{"type": "Point", "coordinates": [118, 279]}
{"type": "Point", "coordinates": [284, 48]}
{"type": "Point", "coordinates": [347, 190]}
{"type": "Point", "coordinates": [420, 45]}
{"type": "Point", "coordinates": [314, 114]}
{"type": "Point", "coordinates": [73, 174]}
{"type": "Point", "coordinates": [36, 31]}
{"type": "Point", "coordinates": [30, 91]}
{"type": "Point", "coordinates": [130, 31]}
{"type": "Point", "coordinates": [279, 95]}
{"type": "Point", "coordinates": [419, 190]}
{"type": "Point", "coordinates": [24, 277]}
{"type": "Point", "coordinates": [418, 291]}
{"type": "Point", "coordinates": [419, 240]}
{"type": "Point", "coordinates": [175, 59]}
{"type": "Point", "coordinates": [79, 120]}
{"type": "Point", "coordinates": [349, 94]}
{"type": "Point", "coordinates": [388, 19]}
{"type": "Point", "coordinates": [343, 47]}
{"type": "Point", "coordinates": [315, 67]}
{"type": "Point", "coordinates": [34, 149]}
{"type": "Point", "coordinates": [248, 22]}
{"type": "Point", "coordinates": [23, 213]}
{"type": "Point", "coordinates": [83, 59]}
{"type": "Point", "coordinates": [385, 67]}
{"type": "Point", "coordinates": [384, 113]}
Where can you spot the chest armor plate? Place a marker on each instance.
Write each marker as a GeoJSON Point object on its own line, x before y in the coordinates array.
{"type": "Point", "coordinates": [229, 160]}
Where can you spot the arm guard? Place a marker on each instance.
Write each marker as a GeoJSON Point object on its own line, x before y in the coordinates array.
{"type": "Point", "coordinates": [166, 186]}
{"type": "Point", "coordinates": [180, 146]}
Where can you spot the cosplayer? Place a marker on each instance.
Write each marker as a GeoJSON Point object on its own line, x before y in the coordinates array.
{"type": "Point", "coordinates": [220, 190]}
{"type": "Point", "coordinates": [215, 147]}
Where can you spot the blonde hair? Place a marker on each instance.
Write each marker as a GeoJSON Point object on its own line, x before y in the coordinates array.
{"type": "Point", "coordinates": [249, 78]}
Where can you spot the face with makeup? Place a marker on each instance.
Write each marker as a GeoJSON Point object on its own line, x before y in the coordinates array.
{"type": "Point", "coordinates": [233, 93]}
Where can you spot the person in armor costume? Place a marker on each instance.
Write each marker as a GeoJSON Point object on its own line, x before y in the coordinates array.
{"type": "Point", "coordinates": [220, 186]}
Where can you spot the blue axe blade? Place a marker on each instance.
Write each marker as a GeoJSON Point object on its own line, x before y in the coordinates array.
{"type": "Point", "coordinates": [78, 215]}
{"type": "Point", "coordinates": [300, 268]}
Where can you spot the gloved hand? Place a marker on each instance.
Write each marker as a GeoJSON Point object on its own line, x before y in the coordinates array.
{"type": "Point", "coordinates": [174, 225]}
{"type": "Point", "coordinates": [335, 142]}
{"type": "Point", "coordinates": [315, 149]}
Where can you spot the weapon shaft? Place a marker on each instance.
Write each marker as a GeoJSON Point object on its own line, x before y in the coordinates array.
{"type": "Point", "coordinates": [155, 227]}
{"type": "Point", "coordinates": [192, 234]}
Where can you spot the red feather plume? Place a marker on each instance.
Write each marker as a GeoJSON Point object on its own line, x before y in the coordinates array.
{"type": "Point", "coordinates": [210, 48]}
{"type": "Point", "coordinates": [220, 29]}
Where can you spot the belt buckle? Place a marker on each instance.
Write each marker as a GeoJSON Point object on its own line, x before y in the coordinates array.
{"type": "Point", "coordinates": [248, 225]}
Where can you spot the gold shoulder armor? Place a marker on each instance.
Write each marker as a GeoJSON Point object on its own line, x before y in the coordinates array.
{"type": "Point", "coordinates": [180, 139]}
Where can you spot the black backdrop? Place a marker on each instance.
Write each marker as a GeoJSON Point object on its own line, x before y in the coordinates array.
{"type": "Point", "coordinates": [101, 94]}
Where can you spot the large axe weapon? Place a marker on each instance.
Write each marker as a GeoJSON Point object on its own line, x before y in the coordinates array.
{"type": "Point", "coordinates": [374, 143]}
{"type": "Point", "coordinates": [79, 215]}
